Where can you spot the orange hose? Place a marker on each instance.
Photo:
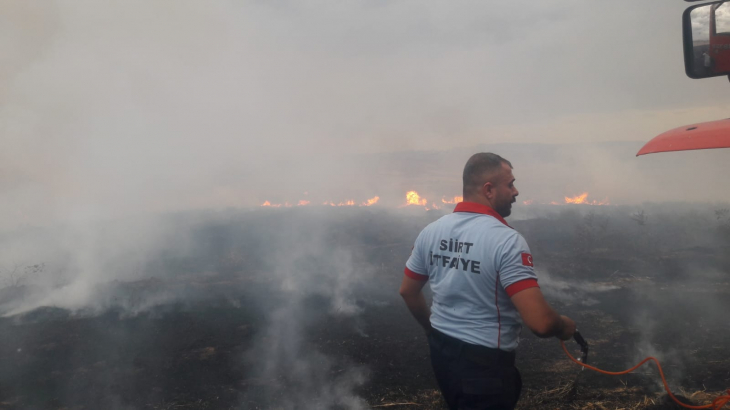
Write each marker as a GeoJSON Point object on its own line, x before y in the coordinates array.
{"type": "Point", "coordinates": [716, 404]}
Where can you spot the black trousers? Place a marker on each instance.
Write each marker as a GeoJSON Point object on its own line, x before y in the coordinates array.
{"type": "Point", "coordinates": [474, 377]}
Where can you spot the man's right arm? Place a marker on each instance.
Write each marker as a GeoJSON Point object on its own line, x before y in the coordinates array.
{"type": "Point", "coordinates": [411, 292]}
{"type": "Point", "coordinates": [539, 317]}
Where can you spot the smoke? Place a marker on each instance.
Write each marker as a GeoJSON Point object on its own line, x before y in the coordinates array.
{"type": "Point", "coordinates": [301, 268]}
{"type": "Point", "coordinates": [317, 276]}
{"type": "Point", "coordinates": [311, 277]}
{"type": "Point", "coordinates": [79, 261]}
{"type": "Point", "coordinates": [108, 111]}
{"type": "Point", "coordinates": [134, 148]}
{"type": "Point", "coordinates": [568, 293]}
{"type": "Point", "coordinates": [308, 378]}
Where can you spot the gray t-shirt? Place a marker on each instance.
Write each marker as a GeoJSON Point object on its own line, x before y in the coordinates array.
{"type": "Point", "coordinates": [474, 262]}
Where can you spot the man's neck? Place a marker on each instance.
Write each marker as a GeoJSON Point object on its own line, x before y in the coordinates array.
{"type": "Point", "coordinates": [479, 200]}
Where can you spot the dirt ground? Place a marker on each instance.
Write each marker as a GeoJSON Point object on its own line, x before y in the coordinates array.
{"type": "Point", "coordinates": [633, 290]}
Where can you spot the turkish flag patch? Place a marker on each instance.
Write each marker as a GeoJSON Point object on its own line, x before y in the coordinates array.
{"type": "Point", "coordinates": [527, 259]}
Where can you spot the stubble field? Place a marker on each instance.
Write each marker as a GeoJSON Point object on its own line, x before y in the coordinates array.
{"type": "Point", "coordinates": [291, 309]}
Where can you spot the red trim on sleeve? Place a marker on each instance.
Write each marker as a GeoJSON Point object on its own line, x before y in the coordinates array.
{"type": "Point", "coordinates": [413, 275]}
{"type": "Point", "coordinates": [520, 286]}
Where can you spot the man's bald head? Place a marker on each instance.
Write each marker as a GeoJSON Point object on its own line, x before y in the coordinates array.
{"type": "Point", "coordinates": [480, 169]}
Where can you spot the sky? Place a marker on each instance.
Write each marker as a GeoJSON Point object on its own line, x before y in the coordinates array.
{"type": "Point", "coordinates": [700, 18]}
{"type": "Point", "coordinates": [127, 107]}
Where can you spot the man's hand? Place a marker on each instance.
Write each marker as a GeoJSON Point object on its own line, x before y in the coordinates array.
{"type": "Point", "coordinates": [568, 328]}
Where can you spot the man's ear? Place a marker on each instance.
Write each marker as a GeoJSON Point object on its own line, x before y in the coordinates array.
{"type": "Point", "coordinates": [488, 190]}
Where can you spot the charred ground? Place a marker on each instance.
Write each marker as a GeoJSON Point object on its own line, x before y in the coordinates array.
{"type": "Point", "coordinates": [299, 309]}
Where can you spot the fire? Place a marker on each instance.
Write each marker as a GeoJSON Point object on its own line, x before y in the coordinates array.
{"type": "Point", "coordinates": [583, 199]}
{"type": "Point", "coordinates": [372, 201]}
{"type": "Point", "coordinates": [454, 200]}
{"type": "Point", "coordinates": [412, 198]}
{"type": "Point", "coordinates": [348, 202]}
{"type": "Point", "coordinates": [580, 199]}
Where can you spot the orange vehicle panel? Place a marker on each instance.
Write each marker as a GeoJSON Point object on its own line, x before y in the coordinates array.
{"type": "Point", "coordinates": [706, 135]}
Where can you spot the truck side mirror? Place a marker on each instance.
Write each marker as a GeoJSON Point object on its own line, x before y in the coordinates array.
{"type": "Point", "coordinates": [706, 33]}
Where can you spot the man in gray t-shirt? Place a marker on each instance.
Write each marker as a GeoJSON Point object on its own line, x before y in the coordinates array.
{"type": "Point", "coordinates": [484, 286]}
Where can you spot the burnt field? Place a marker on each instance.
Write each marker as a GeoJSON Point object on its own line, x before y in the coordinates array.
{"type": "Point", "coordinates": [298, 309]}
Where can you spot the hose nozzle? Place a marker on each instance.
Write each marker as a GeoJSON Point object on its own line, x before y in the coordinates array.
{"type": "Point", "coordinates": [583, 345]}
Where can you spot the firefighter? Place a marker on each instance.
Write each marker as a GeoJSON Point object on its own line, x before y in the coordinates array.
{"type": "Point", "coordinates": [707, 62]}
{"type": "Point", "coordinates": [484, 286]}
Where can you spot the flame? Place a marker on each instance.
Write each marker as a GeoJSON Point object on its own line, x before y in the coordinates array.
{"type": "Point", "coordinates": [346, 203]}
{"type": "Point", "coordinates": [412, 198]}
{"type": "Point", "coordinates": [454, 200]}
{"type": "Point", "coordinates": [580, 199]}
{"type": "Point", "coordinates": [372, 201]}
{"type": "Point", "coordinates": [583, 199]}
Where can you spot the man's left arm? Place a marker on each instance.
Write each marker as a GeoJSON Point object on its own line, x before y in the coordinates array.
{"type": "Point", "coordinates": [412, 292]}
{"type": "Point", "coordinates": [518, 278]}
